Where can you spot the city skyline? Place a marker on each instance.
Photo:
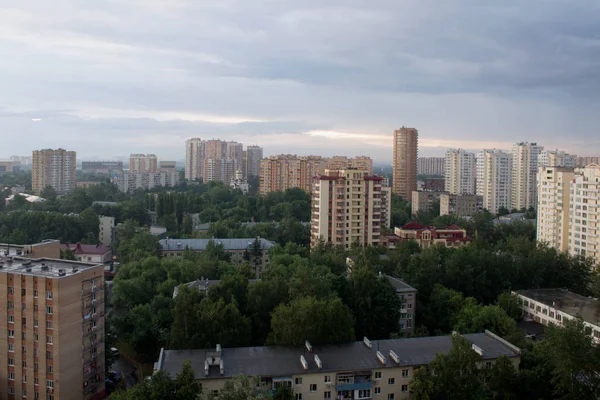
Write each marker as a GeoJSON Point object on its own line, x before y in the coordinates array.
{"type": "Point", "coordinates": [282, 77]}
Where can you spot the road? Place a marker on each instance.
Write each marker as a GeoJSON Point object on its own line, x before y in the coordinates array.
{"type": "Point", "coordinates": [126, 369]}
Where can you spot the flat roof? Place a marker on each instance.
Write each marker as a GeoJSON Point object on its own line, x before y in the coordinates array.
{"type": "Point", "coordinates": [567, 302]}
{"type": "Point", "coordinates": [203, 285]}
{"type": "Point", "coordinates": [200, 244]}
{"type": "Point", "coordinates": [279, 361]}
{"type": "Point", "coordinates": [46, 267]}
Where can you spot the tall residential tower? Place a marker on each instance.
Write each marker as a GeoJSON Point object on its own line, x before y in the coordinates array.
{"type": "Point", "coordinates": [54, 168]}
{"type": "Point", "coordinates": [493, 179]}
{"type": "Point", "coordinates": [406, 142]}
{"type": "Point", "coordinates": [459, 172]}
{"type": "Point", "coordinates": [524, 172]}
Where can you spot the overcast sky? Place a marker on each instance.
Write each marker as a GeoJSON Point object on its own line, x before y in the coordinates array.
{"type": "Point", "coordinates": [112, 77]}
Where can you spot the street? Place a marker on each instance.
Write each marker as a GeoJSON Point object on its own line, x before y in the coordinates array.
{"type": "Point", "coordinates": [126, 369]}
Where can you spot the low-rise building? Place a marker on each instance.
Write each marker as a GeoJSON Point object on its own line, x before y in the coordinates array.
{"type": "Point", "coordinates": [87, 184]}
{"type": "Point", "coordinates": [241, 250]}
{"type": "Point", "coordinates": [128, 182]}
{"type": "Point", "coordinates": [427, 236]}
{"type": "Point", "coordinates": [464, 205]}
{"type": "Point", "coordinates": [434, 185]}
{"type": "Point", "coordinates": [106, 230]}
{"type": "Point", "coordinates": [102, 167]}
{"type": "Point", "coordinates": [30, 198]}
{"type": "Point", "coordinates": [424, 201]}
{"type": "Point", "coordinates": [9, 167]}
{"type": "Point", "coordinates": [408, 305]}
{"type": "Point", "coordinates": [555, 306]}
{"type": "Point", "coordinates": [357, 370]}
{"type": "Point", "coordinates": [203, 285]}
{"type": "Point", "coordinates": [89, 252]}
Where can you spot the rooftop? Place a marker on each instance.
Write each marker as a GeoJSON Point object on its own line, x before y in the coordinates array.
{"type": "Point", "coordinates": [47, 267]}
{"type": "Point", "coordinates": [279, 361]}
{"type": "Point", "coordinates": [79, 248]}
{"type": "Point", "coordinates": [567, 302]}
{"type": "Point", "coordinates": [400, 285]}
{"type": "Point", "coordinates": [202, 285]}
{"type": "Point", "coordinates": [200, 244]}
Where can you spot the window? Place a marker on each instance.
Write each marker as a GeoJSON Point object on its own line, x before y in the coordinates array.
{"type": "Point", "coordinates": [24, 363]}
{"type": "Point", "coordinates": [11, 290]}
{"type": "Point", "coordinates": [24, 379]}
{"type": "Point", "coordinates": [11, 319]}
{"type": "Point", "coordinates": [49, 310]}
{"type": "Point", "coordinates": [327, 395]}
{"type": "Point", "coordinates": [364, 394]}
{"type": "Point", "coordinates": [35, 293]}
{"type": "Point", "coordinates": [48, 324]}
{"type": "Point", "coordinates": [405, 373]}
{"type": "Point", "coordinates": [23, 335]}
{"type": "Point", "coordinates": [23, 292]}
{"type": "Point", "coordinates": [377, 391]}
{"type": "Point", "coordinates": [298, 396]}
{"type": "Point", "coordinates": [390, 396]}
{"type": "Point", "coordinates": [35, 323]}
{"type": "Point", "coordinates": [11, 361]}
{"type": "Point", "coordinates": [23, 321]}
{"type": "Point", "coordinates": [11, 347]}
{"type": "Point", "coordinates": [11, 389]}
{"type": "Point", "coordinates": [313, 387]}
{"type": "Point", "coordinates": [49, 339]}
{"type": "Point", "coordinates": [49, 295]}
{"type": "Point", "coordinates": [327, 378]}
{"type": "Point", "coordinates": [35, 368]}
{"type": "Point", "coordinates": [36, 381]}
{"type": "Point", "coordinates": [405, 388]}
{"type": "Point", "coordinates": [392, 381]}
{"type": "Point", "coordinates": [23, 306]}
{"type": "Point", "coordinates": [49, 369]}
{"type": "Point", "coordinates": [11, 376]}
{"type": "Point", "coordinates": [50, 383]}
{"type": "Point", "coordinates": [378, 375]}
{"type": "Point", "coordinates": [298, 381]}
{"type": "Point", "coordinates": [11, 305]}
{"type": "Point", "coordinates": [488, 364]}
{"type": "Point", "coordinates": [36, 337]}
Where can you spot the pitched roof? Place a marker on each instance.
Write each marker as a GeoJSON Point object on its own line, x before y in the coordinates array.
{"type": "Point", "coordinates": [79, 248]}
{"type": "Point", "coordinates": [200, 244]}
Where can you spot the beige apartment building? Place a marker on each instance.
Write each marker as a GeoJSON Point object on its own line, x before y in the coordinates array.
{"type": "Point", "coordinates": [462, 205]}
{"type": "Point", "coordinates": [194, 158]}
{"type": "Point", "coordinates": [217, 160]}
{"type": "Point", "coordinates": [350, 371]}
{"type": "Point", "coordinates": [584, 213]}
{"type": "Point", "coordinates": [583, 161]}
{"type": "Point", "coordinates": [554, 192]}
{"type": "Point", "coordinates": [424, 201]}
{"type": "Point", "coordinates": [523, 175]}
{"type": "Point", "coordinates": [53, 324]}
{"type": "Point", "coordinates": [128, 182]}
{"type": "Point", "coordinates": [459, 172]}
{"type": "Point", "coordinates": [54, 168]}
{"type": "Point", "coordinates": [286, 171]}
{"type": "Point", "coordinates": [406, 149]}
{"type": "Point", "coordinates": [362, 163]}
{"type": "Point", "coordinates": [349, 206]}
{"type": "Point", "coordinates": [493, 179]}
{"type": "Point", "coordinates": [143, 163]}
{"type": "Point", "coordinates": [556, 158]}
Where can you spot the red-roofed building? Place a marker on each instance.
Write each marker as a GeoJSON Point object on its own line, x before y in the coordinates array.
{"type": "Point", "coordinates": [89, 252]}
{"type": "Point", "coordinates": [426, 236]}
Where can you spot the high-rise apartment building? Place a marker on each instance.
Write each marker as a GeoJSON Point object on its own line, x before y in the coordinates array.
{"type": "Point", "coordinates": [128, 182]}
{"type": "Point", "coordinates": [523, 175]}
{"type": "Point", "coordinates": [406, 143]}
{"type": "Point", "coordinates": [143, 163]}
{"type": "Point", "coordinates": [286, 171]}
{"type": "Point", "coordinates": [493, 179]}
{"type": "Point", "coordinates": [53, 328]}
{"type": "Point", "coordinates": [219, 169]}
{"type": "Point", "coordinates": [554, 192]}
{"type": "Point", "coordinates": [349, 206]}
{"type": "Point", "coordinates": [459, 172]}
{"type": "Point", "coordinates": [431, 166]}
{"type": "Point", "coordinates": [194, 158]}
{"type": "Point", "coordinates": [584, 213]}
{"type": "Point", "coordinates": [583, 161]}
{"type": "Point", "coordinates": [102, 167]}
{"type": "Point", "coordinates": [54, 168]}
{"type": "Point", "coordinates": [362, 163]}
{"type": "Point", "coordinates": [254, 154]}
{"type": "Point", "coordinates": [234, 151]}
{"type": "Point", "coordinates": [556, 158]}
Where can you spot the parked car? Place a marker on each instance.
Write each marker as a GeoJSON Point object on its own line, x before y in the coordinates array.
{"type": "Point", "coordinates": [114, 351]}
{"type": "Point", "coordinates": [114, 375]}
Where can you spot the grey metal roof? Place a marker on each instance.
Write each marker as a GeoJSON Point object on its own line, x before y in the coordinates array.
{"type": "Point", "coordinates": [277, 361]}
{"type": "Point", "coordinates": [567, 302]}
{"type": "Point", "coordinates": [200, 244]}
{"type": "Point", "coordinates": [400, 285]}
{"type": "Point", "coordinates": [202, 285]}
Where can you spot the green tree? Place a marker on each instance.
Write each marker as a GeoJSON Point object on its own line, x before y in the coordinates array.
{"type": "Point", "coordinates": [49, 193]}
{"type": "Point", "coordinates": [421, 386]}
{"type": "Point", "coordinates": [510, 304]}
{"type": "Point", "coordinates": [502, 379]}
{"type": "Point", "coordinates": [319, 321]}
{"type": "Point", "coordinates": [188, 225]}
{"type": "Point", "coordinates": [187, 388]}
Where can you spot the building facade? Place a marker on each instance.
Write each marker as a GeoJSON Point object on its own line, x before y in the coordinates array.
{"type": "Point", "coordinates": [167, 166]}
{"type": "Point", "coordinates": [351, 371]}
{"type": "Point", "coordinates": [129, 182]}
{"type": "Point", "coordinates": [106, 230]}
{"type": "Point", "coordinates": [362, 163]}
{"type": "Point", "coordinates": [556, 158]}
{"type": "Point", "coordinates": [583, 161]}
{"type": "Point", "coordinates": [53, 320]}
{"type": "Point", "coordinates": [347, 207]}
{"type": "Point", "coordinates": [143, 163]}
{"type": "Point", "coordinates": [254, 154]}
{"type": "Point", "coordinates": [523, 175]}
{"type": "Point", "coordinates": [459, 173]}
{"type": "Point", "coordinates": [554, 194]}
{"type": "Point", "coordinates": [404, 168]}
{"type": "Point", "coordinates": [102, 167]}
{"type": "Point", "coordinates": [431, 166]}
{"type": "Point", "coordinates": [427, 236]}
{"type": "Point", "coordinates": [9, 166]}
{"type": "Point", "coordinates": [54, 168]}
{"type": "Point", "coordinates": [465, 205]}
{"type": "Point", "coordinates": [584, 213]}
{"type": "Point", "coordinates": [424, 201]}
{"type": "Point", "coordinates": [239, 183]}
{"type": "Point", "coordinates": [494, 179]}
{"type": "Point", "coordinates": [194, 158]}
{"type": "Point", "coordinates": [434, 185]}
{"type": "Point", "coordinates": [556, 306]}
{"type": "Point", "coordinates": [282, 172]}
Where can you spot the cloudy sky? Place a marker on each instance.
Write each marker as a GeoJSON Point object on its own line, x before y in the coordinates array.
{"type": "Point", "coordinates": [111, 77]}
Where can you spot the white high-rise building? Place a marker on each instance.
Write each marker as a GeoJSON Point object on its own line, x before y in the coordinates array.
{"type": "Point", "coordinates": [584, 212]}
{"type": "Point", "coordinates": [523, 175]}
{"type": "Point", "coordinates": [459, 172]}
{"type": "Point", "coordinates": [194, 158]}
{"type": "Point", "coordinates": [557, 158]}
{"type": "Point", "coordinates": [554, 194]}
{"type": "Point", "coordinates": [493, 179]}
